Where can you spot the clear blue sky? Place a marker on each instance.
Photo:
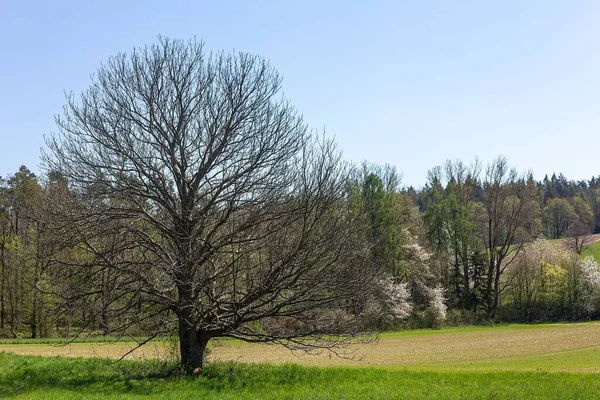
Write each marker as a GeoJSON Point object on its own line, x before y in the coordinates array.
{"type": "Point", "coordinates": [411, 83]}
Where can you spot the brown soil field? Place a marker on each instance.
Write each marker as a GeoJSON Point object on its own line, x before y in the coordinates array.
{"type": "Point", "coordinates": [449, 347]}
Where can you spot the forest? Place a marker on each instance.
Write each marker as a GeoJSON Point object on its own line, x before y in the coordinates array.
{"type": "Point", "coordinates": [476, 244]}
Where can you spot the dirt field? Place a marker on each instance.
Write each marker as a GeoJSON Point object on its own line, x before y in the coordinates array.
{"type": "Point", "coordinates": [553, 346]}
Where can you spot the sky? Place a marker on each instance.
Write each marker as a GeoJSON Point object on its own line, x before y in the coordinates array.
{"type": "Point", "coordinates": [408, 83]}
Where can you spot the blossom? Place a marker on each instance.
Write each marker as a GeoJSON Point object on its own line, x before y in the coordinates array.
{"type": "Point", "coordinates": [590, 271]}
{"type": "Point", "coordinates": [395, 297]}
{"type": "Point", "coordinates": [437, 302]}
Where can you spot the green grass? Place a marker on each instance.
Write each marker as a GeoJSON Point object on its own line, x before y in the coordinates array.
{"type": "Point", "coordinates": [592, 250]}
{"type": "Point", "coordinates": [545, 361]}
{"type": "Point", "coordinates": [28, 377]}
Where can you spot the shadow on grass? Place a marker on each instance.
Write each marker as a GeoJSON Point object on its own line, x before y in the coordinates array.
{"type": "Point", "coordinates": [22, 374]}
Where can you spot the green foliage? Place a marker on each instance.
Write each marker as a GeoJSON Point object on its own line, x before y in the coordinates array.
{"type": "Point", "coordinates": [66, 378]}
{"type": "Point", "coordinates": [435, 215]}
{"type": "Point", "coordinates": [452, 219]}
{"type": "Point", "coordinates": [541, 276]}
{"type": "Point", "coordinates": [584, 213]}
{"type": "Point", "coordinates": [449, 221]}
{"type": "Point", "coordinates": [378, 206]}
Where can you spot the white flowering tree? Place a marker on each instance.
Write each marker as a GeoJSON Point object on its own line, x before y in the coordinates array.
{"type": "Point", "coordinates": [437, 309]}
{"type": "Point", "coordinates": [548, 280]}
{"type": "Point", "coordinates": [427, 296]}
{"type": "Point", "coordinates": [589, 283]}
{"type": "Point", "coordinates": [389, 301]}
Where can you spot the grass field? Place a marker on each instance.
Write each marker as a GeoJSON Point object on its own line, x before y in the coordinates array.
{"type": "Point", "coordinates": [63, 378]}
{"type": "Point", "coordinates": [592, 250]}
{"type": "Point", "coordinates": [557, 361]}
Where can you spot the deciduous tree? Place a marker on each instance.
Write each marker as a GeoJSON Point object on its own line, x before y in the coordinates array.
{"type": "Point", "coordinates": [511, 205]}
{"type": "Point", "coordinates": [200, 189]}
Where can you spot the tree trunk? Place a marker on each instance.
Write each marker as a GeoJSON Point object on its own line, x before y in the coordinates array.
{"type": "Point", "coordinates": [2, 287]}
{"type": "Point", "coordinates": [34, 315]}
{"type": "Point", "coordinates": [192, 342]}
{"type": "Point", "coordinates": [103, 318]}
{"type": "Point", "coordinates": [36, 280]}
{"type": "Point", "coordinates": [192, 345]}
{"type": "Point", "coordinates": [467, 297]}
{"type": "Point", "coordinates": [489, 287]}
{"type": "Point", "coordinates": [457, 279]}
{"type": "Point", "coordinates": [490, 272]}
{"type": "Point", "coordinates": [15, 318]}
{"type": "Point", "coordinates": [496, 289]}
{"type": "Point", "coordinates": [103, 322]}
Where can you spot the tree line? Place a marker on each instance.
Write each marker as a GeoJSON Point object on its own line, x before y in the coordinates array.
{"type": "Point", "coordinates": [443, 248]}
{"type": "Point", "coordinates": [483, 223]}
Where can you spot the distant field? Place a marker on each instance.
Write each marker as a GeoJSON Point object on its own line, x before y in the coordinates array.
{"type": "Point", "coordinates": [551, 361]}
{"type": "Point", "coordinates": [592, 250]}
{"type": "Point", "coordinates": [547, 347]}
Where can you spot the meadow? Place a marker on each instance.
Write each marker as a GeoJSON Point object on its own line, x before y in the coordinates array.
{"type": "Point", "coordinates": [592, 250]}
{"type": "Point", "coordinates": [558, 361]}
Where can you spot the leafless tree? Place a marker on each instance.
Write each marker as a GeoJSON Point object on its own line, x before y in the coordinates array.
{"type": "Point", "coordinates": [200, 194]}
{"type": "Point", "coordinates": [579, 236]}
{"type": "Point", "coordinates": [581, 226]}
{"type": "Point", "coordinates": [511, 204]}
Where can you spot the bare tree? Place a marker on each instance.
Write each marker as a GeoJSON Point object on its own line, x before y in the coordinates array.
{"type": "Point", "coordinates": [512, 207]}
{"type": "Point", "coordinates": [579, 236]}
{"type": "Point", "coordinates": [582, 225]}
{"type": "Point", "coordinates": [200, 189]}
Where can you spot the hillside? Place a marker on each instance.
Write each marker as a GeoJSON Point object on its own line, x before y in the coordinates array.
{"type": "Point", "coordinates": [593, 249]}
